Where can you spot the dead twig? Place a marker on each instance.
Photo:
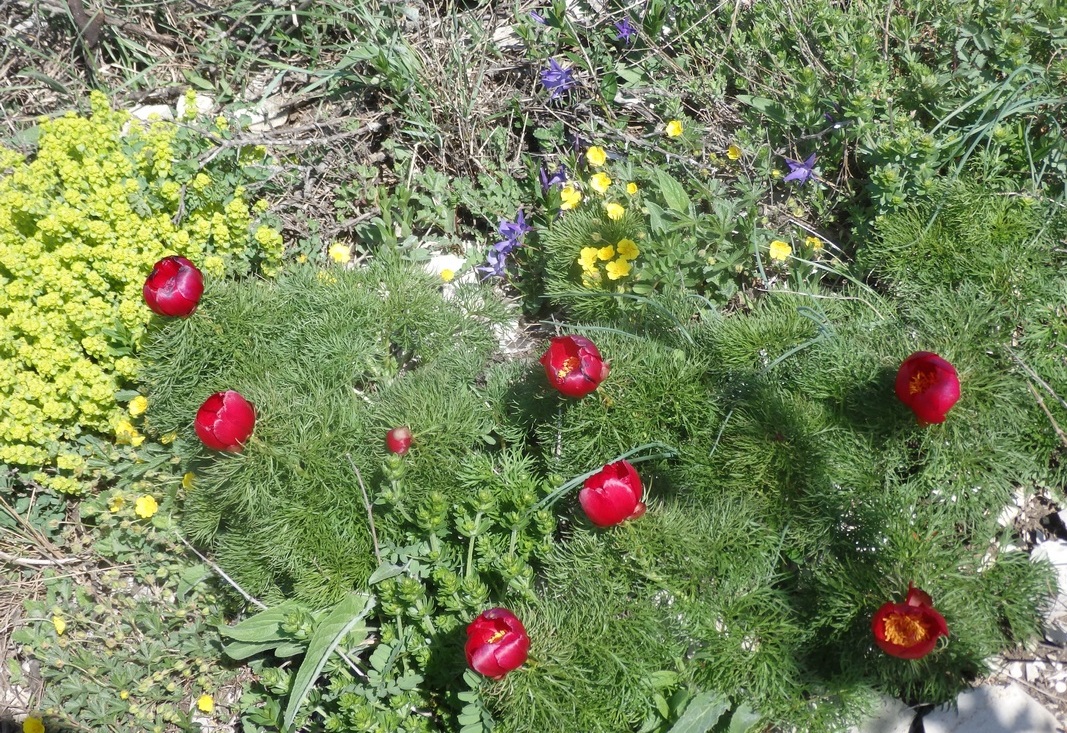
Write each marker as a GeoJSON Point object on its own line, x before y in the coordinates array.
{"type": "Point", "coordinates": [366, 503]}
{"type": "Point", "coordinates": [32, 562]}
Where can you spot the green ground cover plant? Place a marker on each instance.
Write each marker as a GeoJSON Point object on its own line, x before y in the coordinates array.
{"type": "Point", "coordinates": [102, 199]}
{"type": "Point", "coordinates": [754, 224]}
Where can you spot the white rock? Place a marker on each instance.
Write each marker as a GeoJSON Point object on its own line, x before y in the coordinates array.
{"type": "Point", "coordinates": [1055, 551]}
{"type": "Point", "coordinates": [204, 103]}
{"type": "Point", "coordinates": [266, 115]}
{"type": "Point", "coordinates": [890, 716]}
{"type": "Point", "coordinates": [992, 709]}
{"type": "Point", "coordinates": [146, 112]}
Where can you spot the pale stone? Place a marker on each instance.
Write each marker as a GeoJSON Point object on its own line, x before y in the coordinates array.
{"type": "Point", "coordinates": [992, 709]}
{"type": "Point", "coordinates": [890, 716]}
{"type": "Point", "coordinates": [147, 112]}
{"type": "Point", "coordinates": [1055, 551]}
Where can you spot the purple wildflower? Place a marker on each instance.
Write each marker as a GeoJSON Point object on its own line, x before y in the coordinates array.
{"type": "Point", "coordinates": [800, 172]}
{"type": "Point", "coordinates": [537, 17]}
{"type": "Point", "coordinates": [513, 230]}
{"type": "Point", "coordinates": [557, 178]}
{"type": "Point", "coordinates": [557, 79]}
{"type": "Point", "coordinates": [495, 263]}
{"type": "Point", "coordinates": [626, 31]}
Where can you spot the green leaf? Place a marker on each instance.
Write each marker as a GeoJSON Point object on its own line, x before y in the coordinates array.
{"type": "Point", "coordinates": [240, 650]}
{"type": "Point", "coordinates": [743, 719]}
{"type": "Point", "coordinates": [656, 219]}
{"type": "Point", "coordinates": [344, 617]}
{"type": "Point", "coordinates": [663, 678]}
{"type": "Point", "coordinates": [701, 714]}
{"type": "Point", "coordinates": [264, 626]}
{"type": "Point", "coordinates": [768, 107]}
{"type": "Point", "coordinates": [673, 194]}
{"type": "Point", "coordinates": [384, 572]}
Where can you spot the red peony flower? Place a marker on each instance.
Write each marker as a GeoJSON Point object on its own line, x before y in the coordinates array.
{"type": "Point", "coordinates": [225, 421]}
{"type": "Point", "coordinates": [612, 495]}
{"type": "Point", "coordinates": [908, 630]}
{"type": "Point", "coordinates": [496, 643]}
{"type": "Point", "coordinates": [574, 366]}
{"type": "Point", "coordinates": [928, 385]}
{"type": "Point", "coordinates": [174, 287]}
{"type": "Point", "coordinates": [398, 440]}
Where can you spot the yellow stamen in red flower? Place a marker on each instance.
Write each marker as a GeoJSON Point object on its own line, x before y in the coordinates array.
{"type": "Point", "coordinates": [921, 382]}
{"type": "Point", "coordinates": [905, 630]}
{"type": "Point", "coordinates": [569, 365]}
{"type": "Point", "coordinates": [496, 637]}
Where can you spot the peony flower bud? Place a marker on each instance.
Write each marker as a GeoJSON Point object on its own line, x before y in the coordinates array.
{"type": "Point", "coordinates": [928, 385]}
{"type": "Point", "coordinates": [225, 421]}
{"type": "Point", "coordinates": [496, 643]}
{"type": "Point", "coordinates": [612, 495]}
{"type": "Point", "coordinates": [398, 440]}
{"type": "Point", "coordinates": [574, 366]}
{"type": "Point", "coordinates": [174, 287]}
{"type": "Point", "coordinates": [908, 630]}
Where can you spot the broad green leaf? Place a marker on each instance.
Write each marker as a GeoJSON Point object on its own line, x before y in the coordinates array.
{"type": "Point", "coordinates": [239, 650]}
{"type": "Point", "coordinates": [384, 572]}
{"type": "Point", "coordinates": [344, 617]}
{"type": "Point", "coordinates": [701, 714]}
{"type": "Point", "coordinates": [768, 107]}
{"type": "Point", "coordinates": [743, 719]}
{"type": "Point", "coordinates": [673, 194]}
{"type": "Point", "coordinates": [656, 219]}
{"type": "Point", "coordinates": [264, 626]}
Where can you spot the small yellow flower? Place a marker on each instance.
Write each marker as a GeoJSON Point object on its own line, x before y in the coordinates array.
{"type": "Point", "coordinates": [614, 211]}
{"type": "Point", "coordinates": [588, 259]}
{"type": "Point", "coordinates": [631, 188]}
{"type": "Point", "coordinates": [32, 725]}
{"type": "Point", "coordinates": [145, 506]}
{"type": "Point", "coordinates": [60, 624]}
{"type": "Point", "coordinates": [814, 242]}
{"type": "Point", "coordinates": [596, 156]}
{"type": "Point", "coordinates": [674, 128]}
{"type": "Point", "coordinates": [733, 152]}
{"type": "Point", "coordinates": [605, 253]}
{"type": "Point", "coordinates": [448, 275]}
{"type": "Point", "coordinates": [138, 405]}
{"type": "Point", "coordinates": [780, 250]}
{"type": "Point", "coordinates": [168, 438]}
{"type": "Point", "coordinates": [115, 503]}
{"type": "Point", "coordinates": [618, 268]}
{"type": "Point", "coordinates": [776, 174]}
{"type": "Point", "coordinates": [569, 197]}
{"type": "Point", "coordinates": [124, 694]}
{"type": "Point", "coordinates": [126, 434]}
{"type": "Point", "coordinates": [188, 479]}
{"type": "Point", "coordinates": [340, 253]}
{"type": "Point", "coordinates": [599, 182]}
{"type": "Point", "coordinates": [301, 258]}
{"type": "Point", "coordinates": [205, 704]}
{"type": "Point", "coordinates": [627, 249]}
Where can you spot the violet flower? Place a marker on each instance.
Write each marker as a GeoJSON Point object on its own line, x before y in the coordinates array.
{"type": "Point", "coordinates": [800, 172]}
{"type": "Point", "coordinates": [495, 263]}
{"type": "Point", "coordinates": [557, 79]}
{"type": "Point", "coordinates": [512, 232]}
{"type": "Point", "coordinates": [556, 179]}
{"type": "Point", "coordinates": [626, 31]}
